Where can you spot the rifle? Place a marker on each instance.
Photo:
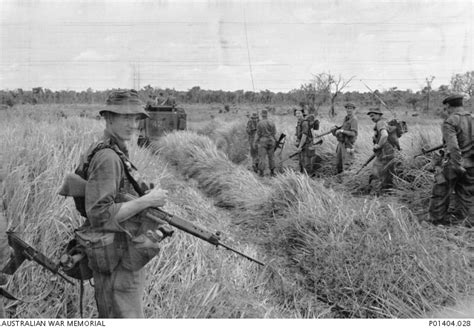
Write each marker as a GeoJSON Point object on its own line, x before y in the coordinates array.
{"type": "Point", "coordinates": [280, 143]}
{"type": "Point", "coordinates": [328, 132]}
{"type": "Point", "coordinates": [425, 152]}
{"type": "Point", "coordinates": [23, 251]}
{"type": "Point", "coordinates": [319, 142]}
{"type": "Point", "coordinates": [74, 185]}
{"type": "Point", "coordinates": [369, 160]}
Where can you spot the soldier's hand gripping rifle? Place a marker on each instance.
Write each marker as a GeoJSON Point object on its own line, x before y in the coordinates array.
{"type": "Point", "coordinates": [319, 142]}
{"type": "Point", "coordinates": [280, 142]}
{"type": "Point", "coordinates": [328, 132]}
{"type": "Point", "coordinates": [23, 251]}
{"type": "Point", "coordinates": [428, 151]}
{"type": "Point", "coordinates": [74, 185]}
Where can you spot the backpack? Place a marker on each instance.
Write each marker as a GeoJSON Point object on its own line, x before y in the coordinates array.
{"type": "Point", "coordinates": [395, 130]}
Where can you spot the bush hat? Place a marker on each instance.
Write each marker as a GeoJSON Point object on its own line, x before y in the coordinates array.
{"type": "Point", "coordinates": [124, 102]}
{"type": "Point", "coordinates": [454, 100]}
{"type": "Point", "coordinates": [375, 110]}
{"type": "Point", "coordinates": [349, 106]}
{"type": "Point", "coordinates": [254, 116]}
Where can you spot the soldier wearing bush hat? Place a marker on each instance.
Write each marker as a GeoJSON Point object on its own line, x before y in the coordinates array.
{"type": "Point", "coordinates": [251, 131]}
{"type": "Point", "coordinates": [457, 173]}
{"type": "Point", "coordinates": [128, 241]}
{"type": "Point", "coordinates": [382, 169]}
{"type": "Point", "coordinates": [346, 137]}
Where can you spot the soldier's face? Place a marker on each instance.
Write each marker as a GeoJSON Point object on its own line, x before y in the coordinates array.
{"type": "Point", "coordinates": [123, 126]}
{"type": "Point", "coordinates": [299, 115]}
{"type": "Point", "coordinates": [374, 117]}
{"type": "Point", "coordinates": [349, 111]}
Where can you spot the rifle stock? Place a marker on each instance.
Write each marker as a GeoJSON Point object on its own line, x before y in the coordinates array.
{"type": "Point", "coordinates": [155, 214]}
{"type": "Point", "coordinates": [23, 251]}
{"type": "Point", "coordinates": [281, 142]}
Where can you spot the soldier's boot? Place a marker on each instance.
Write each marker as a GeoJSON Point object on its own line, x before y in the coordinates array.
{"type": "Point", "coordinates": [272, 173]}
{"type": "Point", "coordinates": [255, 168]}
{"type": "Point", "coordinates": [260, 173]}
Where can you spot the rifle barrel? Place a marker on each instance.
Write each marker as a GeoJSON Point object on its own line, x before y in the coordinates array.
{"type": "Point", "coordinates": [242, 254]}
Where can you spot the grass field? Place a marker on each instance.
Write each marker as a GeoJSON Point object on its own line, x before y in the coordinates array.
{"type": "Point", "coordinates": [331, 250]}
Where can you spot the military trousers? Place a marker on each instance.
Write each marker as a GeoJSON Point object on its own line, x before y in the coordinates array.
{"type": "Point", "coordinates": [120, 294]}
{"type": "Point", "coordinates": [253, 152]}
{"type": "Point", "coordinates": [266, 149]}
{"type": "Point", "coordinates": [306, 159]}
{"type": "Point", "coordinates": [463, 198]}
{"type": "Point", "coordinates": [382, 174]}
{"type": "Point", "coordinates": [344, 157]}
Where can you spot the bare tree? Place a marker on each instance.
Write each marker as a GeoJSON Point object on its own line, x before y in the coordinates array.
{"type": "Point", "coordinates": [329, 87]}
{"type": "Point", "coordinates": [463, 83]}
{"type": "Point", "coordinates": [429, 81]}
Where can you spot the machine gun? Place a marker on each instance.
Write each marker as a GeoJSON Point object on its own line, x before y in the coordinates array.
{"type": "Point", "coordinates": [74, 185]}
{"type": "Point", "coordinates": [425, 152]}
{"type": "Point", "coordinates": [23, 251]}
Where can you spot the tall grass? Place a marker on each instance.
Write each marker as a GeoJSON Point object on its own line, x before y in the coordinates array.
{"type": "Point", "coordinates": [189, 279]}
{"type": "Point", "coordinates": [364, 257]}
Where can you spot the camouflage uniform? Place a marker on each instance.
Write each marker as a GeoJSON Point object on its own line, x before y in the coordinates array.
{"type": "Point", "coordinates": [382, 169]}
{"type": "Point", "coordinates": [346, 138]}
{"type": "Point", "coordinates": [265, 141]}
{"type": "Point", "coordinates": [457, 174]}
{"type": "Point", "coordinates": [251, 131]}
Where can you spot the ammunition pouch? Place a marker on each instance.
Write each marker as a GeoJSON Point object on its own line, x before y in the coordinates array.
{"type": "Point", "coordinates": [140, 251]}
{"type": "Point", "coordinates": [102, 252]}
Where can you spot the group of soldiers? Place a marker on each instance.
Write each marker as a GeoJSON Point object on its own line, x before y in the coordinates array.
{"type": "Point", "coordinates": [122, 241]}
{"type": "Point", "coordinates": [454, 179]}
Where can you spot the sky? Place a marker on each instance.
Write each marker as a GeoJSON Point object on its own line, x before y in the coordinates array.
{"type": "Point", "coordinates": [231, 45]}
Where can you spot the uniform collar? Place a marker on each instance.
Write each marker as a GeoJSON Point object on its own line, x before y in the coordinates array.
{"type": "Point", "coordinates": [120, 143]}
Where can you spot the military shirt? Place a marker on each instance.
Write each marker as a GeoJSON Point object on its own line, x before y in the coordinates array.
{"type": "Point", "coordinates": [306, 130]}
{"type": "Point", "coordinates": [387, 149]}
{"type": "Point", "coordinates": [350, 124]}
{"type": "Point", "coordinates": [252, 127]}
{"type": "Point", "coordinates": [457, 134]}
{"type": "Point", "coordinates": [106, 179]}
{"type": "Point", "coordinates": [266, 128]}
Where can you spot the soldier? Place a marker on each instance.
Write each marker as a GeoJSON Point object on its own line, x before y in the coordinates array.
{"type": "Point", "coordinates": [117, 263]}
{"type": "Point", "coordinates": [346, 137]}
{"type": "Point", "coordinates": [457, 172]}
{"type": "Point", "coordinates": [251, 131]}
{"type": "Point", "coordinates": [382, 169]}
{"type": "Point", "coordinates": [265, 142]}
{"type": "Point", "coordinates": [300, 115]}
{"type": "Point", "coordinates": [306, 152]}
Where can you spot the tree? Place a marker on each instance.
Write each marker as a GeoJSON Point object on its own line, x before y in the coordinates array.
{"type": "Point", "coordinates": [463, 83]}
{"type": "Point", "coordinates": [429, 81]}
{"type": "Point", "coordinates": [328, 86]}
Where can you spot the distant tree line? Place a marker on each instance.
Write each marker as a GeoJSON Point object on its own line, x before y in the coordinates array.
{"type": "Point", "coordinates": [325, 89]}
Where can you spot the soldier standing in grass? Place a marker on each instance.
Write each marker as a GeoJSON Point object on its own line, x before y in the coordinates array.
{"type": "Point", "coordinates": [300, 115]}
{"type": "Point", "coordinates": [346, 137]}
{"type": "Point", "coordinates": [265, 141]}
{"type": "Point", "coordinates": [304, 149]}
{"type": "Point", "coordinates": [382, 169]}
{"type": "Point", "coordinates": [457, 171]}
{"type": "Point", "coordinates": [251, 131]}
{"type": "Point", "coordinates": [126, 243]}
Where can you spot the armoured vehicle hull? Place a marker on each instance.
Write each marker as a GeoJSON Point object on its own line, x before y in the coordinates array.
{"type": "Point", "coordinates": [163, 119]}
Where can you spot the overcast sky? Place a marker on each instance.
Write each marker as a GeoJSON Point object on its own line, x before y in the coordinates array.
{"type": "Point", "coordinates": [230, 45]}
